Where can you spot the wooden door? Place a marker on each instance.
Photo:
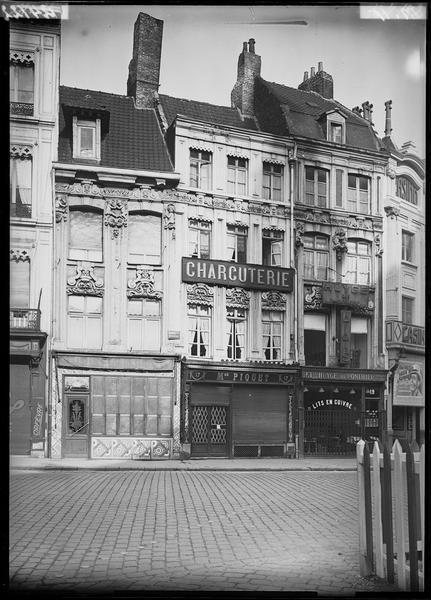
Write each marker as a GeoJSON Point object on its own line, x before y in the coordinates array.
{"type": "Point", "coordinates": [76, 426]}
{"type": "Point", "coordinates": [19, 409]}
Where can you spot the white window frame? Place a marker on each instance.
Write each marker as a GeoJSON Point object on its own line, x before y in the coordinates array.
{"type": "Point", "coordinates": [237, 330]}
{"type": "Point", "coordinates": [234, 232]}
{"type": "Point", "coordinates": [13, 85]}
{"type": "Point", "coordinates": [407, 235]}
{"type": "Point", "coordinates": [274, 239]}
{"type": "Point", "coordinates": [269, 318]}
{"type": "Point", "coordinates": [197, 231]}
{"type": "Point", "coordinates": [85, 253]}
{"type": "Point", "coordinates": [354, 260]}
{"type": "Point", "coordinates": [411, 301]}
{"type": "Point", "coordinates": [142, 320]}
{"type": "Point", "coordinates": [358, 204]}
{"type": "Point", "coordinates": [14, 185]}
{"type": "Point", "coordinates": [269, 192]}
{"type": "Point", "coordinates": [201, 162]}
{"type": "Point", "coordinates": [315, 252]}
{"type": "Point", "coordinates": [201, 314]}
{"type": "Point", "coordinates": [316, 184]}
{"type": "Point", "coordinates": [86, 316]}
{"type": "Point", "coordinates": [78, 126]}
{"type": "Point", "coordinates": [233, 172]}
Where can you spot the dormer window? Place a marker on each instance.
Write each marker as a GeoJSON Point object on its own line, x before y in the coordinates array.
{"type": "Point", "coordinates": [336, 131]}
{"type": "Point", "coordinates": [335, 125]}
{"type": "Point", "coordinates": [86, 138]}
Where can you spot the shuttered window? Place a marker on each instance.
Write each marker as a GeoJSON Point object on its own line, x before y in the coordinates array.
{"type": "Point", "coordinates": [85, 235]}
{"type": "Point", "coordinates": [259, 415]}
{"type": "Point", "coordinates": [144, 239]}
{"type": "Point", "coordinates": [339, 187]}
{"type": "Point", "coordinates": [20, 284]}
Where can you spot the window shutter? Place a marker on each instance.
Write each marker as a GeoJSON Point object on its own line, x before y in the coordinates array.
{"type": "Point", "coordinates": [345, 336]}
{"type": "Point", "coordinates": [339, 188]}
{"type": "Point", "coordinates": [19, 284]}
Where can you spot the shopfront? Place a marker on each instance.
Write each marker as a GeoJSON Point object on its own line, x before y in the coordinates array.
{"type": "Point", "coordinates": [237, 411]}
{"type": "Point", "coordinates": [340, 407]}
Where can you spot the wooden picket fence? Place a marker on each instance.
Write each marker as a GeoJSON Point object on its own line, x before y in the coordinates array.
{"type": "Point", "coordinates": [391, 488]}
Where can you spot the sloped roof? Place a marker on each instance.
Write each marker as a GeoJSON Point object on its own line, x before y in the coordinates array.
{"type": "Point", "coordinates": [203, 111]}
{"type": "Point", "coordinates": [131, 137]}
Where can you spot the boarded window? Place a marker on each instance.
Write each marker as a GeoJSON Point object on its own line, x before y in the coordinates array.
{"type": "Point", "coordinates": [85, 235]}
{"type": "Point", "coordinates": [145, 239]}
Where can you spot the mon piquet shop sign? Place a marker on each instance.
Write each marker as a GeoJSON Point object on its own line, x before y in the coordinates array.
{"type": "Point", "coordinates": [220, 272]}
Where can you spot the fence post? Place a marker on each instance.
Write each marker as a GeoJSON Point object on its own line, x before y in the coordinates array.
{"type": "Point", "coordinates": [387, 513]}
{"type": "Point", "coordinates": [412, 519]}
{"type": "Point", "coordinates": [400, 535]}
{"type": "Point", "coordinates": [364, 562]}
{"type": "Point", "coordinates": [377, 494]}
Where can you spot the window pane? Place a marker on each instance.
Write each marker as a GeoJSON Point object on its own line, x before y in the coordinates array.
{"type": "Point", "coordinates": [19, 284]}
{"type": "Point", "coordinates": [193, 174]}
{"type": "Point", "coordinates": [76, 303]}
{"type": "Point", "coordinates": [321, 243]}
{"type": "Point", "coordinates": [321, 176]}
{"type": "Point", "coordinates": [351, 181]}
{"type": "Point", "coordinates": [363, 248]}
{"type": "Point", "coordinates": [144, 233]}
{"type": "Point", "coordinates": [25, 84]}
{"type": "Point", "coordinates": [87, 139]}
{"type": "Point", "coordinates": [94, 305]}
{"type": "Point", "coordinates": [152, 308]}
{"type": "Point", "coordinates": [363, 183]}
{"type": "Point", "coordinates": [134, 307]}
{"type": "Point", "coordinates": [231, 161]}
{"type": "Point", "coordinates": [85, 230]}
{"type": "Point", "coordinates": [309, 173]}
{"type": "Point", "coordinates": [205, 244]}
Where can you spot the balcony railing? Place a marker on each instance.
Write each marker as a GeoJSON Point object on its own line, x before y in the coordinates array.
{"type": "Point", "coordinates": [25, 318]}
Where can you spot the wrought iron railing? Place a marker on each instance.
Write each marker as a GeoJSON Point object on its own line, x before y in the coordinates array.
{"type": "Point", "coordinates": [25, 318]}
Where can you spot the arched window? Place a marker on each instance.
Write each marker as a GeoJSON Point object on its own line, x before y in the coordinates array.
{"type": "Point", "coordinates": [144, 239]}
{"type": "Point", "coordinates": [85, 234]}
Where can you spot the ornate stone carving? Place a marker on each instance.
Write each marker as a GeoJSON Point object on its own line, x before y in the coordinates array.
{"type": "Point", "coordinates": [169, 216]}
{"type": "Point", "coordinates": [390, 171]}
{"type": "Point", "coordinates": [115, 215]}
{"type": "Point", "coordinates": [143, 285]}
{"type": "Point", "coordinates": [339, 243]}
{"type": "Point", "coordinates": [378, 245]}
{"type": "Point", "coordinates": [392, 211]}
{"type": "Point", "coordinates": [84, 283]}
{"type": "Point", "coordinates": [273, 301]}
{"type": "Point", "coordinates": [19, 255]}
{"type": "Point", "coordinates": [18, 57]}
{"type": "Point", "coordinates": [299, 232]}
{"type": "Point", "coordinates": [200, 293]}
{"type": "Point", "coordinates": [60, 208]}
{"type": "Point", "coordinates": [312, 297]}
{"type": "Point", "coordinates": [21, 151]}
{"type": "Point", "coordinates": [237, 298]}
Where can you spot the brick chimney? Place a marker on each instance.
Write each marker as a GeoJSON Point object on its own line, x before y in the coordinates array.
{"type": "Point", "coordinates": [144, 68]}
{"type": "Point", "coordinates": [249, 64]}
{"type": "Point", "coordinates": [320, 82]}
{"type": "Point", "coordinates": [388, 120]}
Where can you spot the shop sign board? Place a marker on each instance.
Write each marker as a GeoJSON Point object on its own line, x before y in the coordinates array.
{"type": "Point", "coordinates": [398, 333]}
{"type": "Point", "coordinates": [409, 383]}
{"type": "Point", "coordinates": [343, 375]}
{"type": "Point", "coordinates": [224, 273]}
{"type": "Point", "coordinates": [347, 294]}
{"type": "Point", "coordinates": [250, 377]}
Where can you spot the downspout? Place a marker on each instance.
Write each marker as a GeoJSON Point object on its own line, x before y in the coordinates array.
{"type": "Point", "coordinates": [51, 333]}
{"type": "Point", "coordinates": [292, 161]}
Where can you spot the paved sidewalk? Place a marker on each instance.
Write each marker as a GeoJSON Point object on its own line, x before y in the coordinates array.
{"type": "Point", "coordinates": [211, 464]}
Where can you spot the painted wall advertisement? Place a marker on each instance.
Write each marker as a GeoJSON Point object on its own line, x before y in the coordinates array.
{"type": "Point", "coordinates": [409, 383]}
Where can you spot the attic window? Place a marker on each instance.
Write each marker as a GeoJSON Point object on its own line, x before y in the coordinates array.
{"type": "Point", "coordinates": [86, 138]}
{"type": "Point", "coordinates": [336, 133]}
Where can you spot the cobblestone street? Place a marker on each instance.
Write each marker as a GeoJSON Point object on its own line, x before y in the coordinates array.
{"type": "Point", "coordinates": [251, 531]}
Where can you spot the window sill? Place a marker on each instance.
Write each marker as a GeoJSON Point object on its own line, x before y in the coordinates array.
{"type": "Point", "coordinates": [409, 264]}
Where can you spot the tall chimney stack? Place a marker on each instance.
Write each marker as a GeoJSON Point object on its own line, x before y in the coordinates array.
{"type": "Point", "coordinates": [144, 68]}
{"type": "Point", "coordinates": [249, 64]}
{"type": "Point", "coordinates": [388, 120]}
{"type": "Point", "coordinates": [319, 82]}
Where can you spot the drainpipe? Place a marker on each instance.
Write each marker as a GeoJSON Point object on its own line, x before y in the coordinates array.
{"type": "Point", "coordinates": [292, 161]}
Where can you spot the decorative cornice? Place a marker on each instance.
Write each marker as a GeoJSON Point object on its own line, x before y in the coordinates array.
{"type": "Point", "coordinates": [18, 57]}
{"type": "Point", "coordinates": [200, 293]}
{"type": "Point", "coordinates": [273, 301]}
{"type": "Point", "coordinates": [339, 243]}
{"type": "Point", "coordinates": [60, 208]}
{"type": "Point", "coordinates": [274, 161]}
{"type": "Point", "coordinates": [237, 298]}
{"type": "Point", "coordinates": [273, 228]}
{"type": "Point", "coordinates": [367, 223]}
{"type": "Point", "coordinates": [84, 283]}
{"type": "Point", "coordinates": [21, 151]}
{"type": "Point", "coordinates": [115, 215]}
{"type": "Point", "coordinates": [143, 285]}
{"type": "Point", "coordinates": [19, 255]}
{"type": "Point", "coordinates": [200, 146]}
{"type": "Point", "coordinates": [390, 171]}
{"type": "Point", "coordinates": [237, 153]}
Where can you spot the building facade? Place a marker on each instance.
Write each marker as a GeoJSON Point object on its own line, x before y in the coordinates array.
{"type": "Point", "coordinates": [114, 372]}
{"type": "Point", "coordinates": [34, 80]}
{"type": "Point", "coordinates": [405, 288]}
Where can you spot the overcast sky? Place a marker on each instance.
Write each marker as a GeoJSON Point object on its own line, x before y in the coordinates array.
{"type": "Point", "coordinates": [373, 60]}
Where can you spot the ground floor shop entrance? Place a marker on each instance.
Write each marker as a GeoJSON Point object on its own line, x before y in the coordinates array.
{"type": "Point", "coordinates": [209, 430]}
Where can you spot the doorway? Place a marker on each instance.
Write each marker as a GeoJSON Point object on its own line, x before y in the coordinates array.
{"type": "Point", "coordinates": [76, 426]}
{"type": "Point", "coordinates": [209, 430]}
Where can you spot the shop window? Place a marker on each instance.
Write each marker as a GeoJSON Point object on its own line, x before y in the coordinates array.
{"type": "Point", "coordinates": [407, 246]}
{"type": "Point", "coordinates": [84, 326]}
{"type": "Point", "coordinates": [272, 329]}
{"type": "Point", "coordinates": [85, 235]}
{"type": "Point", "coordinates": [316, 186]}
{"type": "Point", "coordinates": [21, 85]}
{"type": "Point", "coordinates": [237, 171]}
{"type": "Point", "coordinates": [143, 324]}
{"type": "Point", "coordinates": [199, 238]}
{"type": "Point", "coordinates": [272, 182]}
{"type": "Point", "coordinates": [236, 318]}
{"type": "Point", "coordinates": [407, 305]}
{"type": "Point", "coordinates": [358, 263]}
{"type": "Point", "coordinates": [200, 169]}
{"type": "Point", "coordinates": [20, 187]}
{"type": "Point", "coordinates": [272, 247]}
{"type": "Point", "coordinates": [86, 139]}
{"type": "Point", "coordinates": [358, 194]}
{"type": "Point", "coordinates": [315, 347]}
{"type": "Point", "coordinates": [316, 257]}
{"type": "Point", "coordinates": [237, 243]}
{"type": "Point", "coordinates": [199, 327]}
{"type": "Point", "coordinates": [144, 233]}
{"type": "Point", "coordinates": [19, 284]}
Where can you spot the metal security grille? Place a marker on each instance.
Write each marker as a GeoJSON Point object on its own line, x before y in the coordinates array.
{"type": "Point", "coordinates": [246, 451]}
{"type": "Point", "coordinates": [218, 425]}
{"type": "Point", "coordinates": [209, 430]}
{"type": "Point", "coordinates": [200, 424]}
{"type": "Point", "coordinates": [331, 432]}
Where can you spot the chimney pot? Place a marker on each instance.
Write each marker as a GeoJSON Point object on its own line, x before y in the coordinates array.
{"type": "Point", "coordinates": [244, 47]}
{"type": "Point", "coordinates": [251, 43]}
{"type": "Point", "coordinates": [312, 71]}
{"type": "Point", "coordinates": [305, 75]}
{"type": "Point", "coordinates": [320, 66]}
{"type": "Point", "coordinates": [388, 120]}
